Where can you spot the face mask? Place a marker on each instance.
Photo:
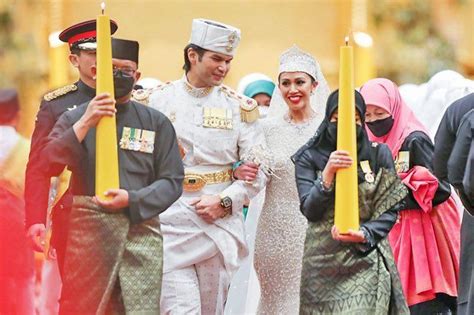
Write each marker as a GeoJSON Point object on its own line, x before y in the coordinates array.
{"type": "Point", "coordinates": [123, 84]}
{"type": "Point", "coordinates": [263, 111]}
{"type": "Point", "coordinates": [381, 127]}
{"type": "Point", "coordinates": [332, 132]}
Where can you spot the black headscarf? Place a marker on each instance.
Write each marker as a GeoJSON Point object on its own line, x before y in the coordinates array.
{"type": "Point", "coordinates": [322, 144]}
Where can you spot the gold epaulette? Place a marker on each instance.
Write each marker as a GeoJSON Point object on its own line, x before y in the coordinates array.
{"type": "Point", "coordinates": [248, 106]}
{"type": "Point", "coordinates": [143, 95]}
{"type": "Point", "coordinates": [59, 92]}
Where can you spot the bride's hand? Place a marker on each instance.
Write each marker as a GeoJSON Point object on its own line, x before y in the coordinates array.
{"type": "Point", "coordinates": [350, 237]}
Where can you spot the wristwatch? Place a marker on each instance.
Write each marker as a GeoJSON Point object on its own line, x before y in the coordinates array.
{"type": "Point", "coordinates": [226, 203]}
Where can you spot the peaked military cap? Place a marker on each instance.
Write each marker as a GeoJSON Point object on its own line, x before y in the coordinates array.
{"type": "Point", "coordinates": [83, 35]}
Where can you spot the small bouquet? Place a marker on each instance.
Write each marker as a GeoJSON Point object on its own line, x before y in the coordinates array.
{"type": "Point", "coordinates": [262, 156]}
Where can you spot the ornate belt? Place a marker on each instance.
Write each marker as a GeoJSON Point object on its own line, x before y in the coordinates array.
{"type": "Point", "coordinates": [195, 182]}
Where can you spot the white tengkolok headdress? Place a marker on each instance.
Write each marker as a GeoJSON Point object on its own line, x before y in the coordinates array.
{"type": "Point", "coordinates": [215, 36]}
{"type": "Point", "coordinates": [297, 60]}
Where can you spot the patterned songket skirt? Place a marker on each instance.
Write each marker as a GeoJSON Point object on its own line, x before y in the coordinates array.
{"type": "Point", "coordinates": [110, 266]}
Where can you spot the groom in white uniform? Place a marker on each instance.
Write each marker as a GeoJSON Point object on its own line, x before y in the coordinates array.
{"type": "Point", "coordinates": [203, 231]}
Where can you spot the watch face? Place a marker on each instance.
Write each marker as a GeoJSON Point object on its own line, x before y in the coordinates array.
{"type": "Point", "coordinates": [226, 202]}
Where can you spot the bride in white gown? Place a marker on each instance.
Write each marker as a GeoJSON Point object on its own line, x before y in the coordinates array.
{"type": "Point", "coordinates": [296, 110]}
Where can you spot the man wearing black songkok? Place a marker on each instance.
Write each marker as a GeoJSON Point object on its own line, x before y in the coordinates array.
{"type": "Point", "coordinates": [113, 257]}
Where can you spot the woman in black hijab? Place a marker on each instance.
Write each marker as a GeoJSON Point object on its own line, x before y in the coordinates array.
{"type": "Point", "coordinates": [354, 272]}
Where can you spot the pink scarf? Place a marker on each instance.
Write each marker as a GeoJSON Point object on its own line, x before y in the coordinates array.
{"type": "Point", "coordinates": [384, 93]}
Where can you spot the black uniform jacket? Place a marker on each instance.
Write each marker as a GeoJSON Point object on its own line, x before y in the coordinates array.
{"type": "Point", "coordinates": [36, 183]}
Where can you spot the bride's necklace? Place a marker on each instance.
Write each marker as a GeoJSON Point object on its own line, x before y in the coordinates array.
{"type": "Point", "coordinates": [299, 126]}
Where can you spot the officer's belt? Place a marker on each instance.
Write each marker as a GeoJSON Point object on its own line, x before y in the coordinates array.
{"type": "Point", "coordinates": [196, 181]}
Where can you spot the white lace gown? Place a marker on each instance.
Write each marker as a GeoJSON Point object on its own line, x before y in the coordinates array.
{"type": "Point", "coordinates": [281, 228]}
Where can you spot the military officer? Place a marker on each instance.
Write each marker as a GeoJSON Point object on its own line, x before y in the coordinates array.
{"type": "Point", "coordinates": [81, 39]}
{"type": "Point", "coordinates": [203, 231]}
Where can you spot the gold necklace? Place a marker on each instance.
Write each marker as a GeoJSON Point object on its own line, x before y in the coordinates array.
{"type": "Point", "coordinates": [197, 92]}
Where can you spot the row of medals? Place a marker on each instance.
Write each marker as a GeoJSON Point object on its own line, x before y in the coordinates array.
{"type": "Point", "coordinates": [137, 140]}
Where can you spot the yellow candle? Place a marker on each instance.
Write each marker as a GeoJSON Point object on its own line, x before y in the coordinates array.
{"type": "Point", "coordinates": [347, 200]}
{"type": "Point", "coordinates": [106, 168]}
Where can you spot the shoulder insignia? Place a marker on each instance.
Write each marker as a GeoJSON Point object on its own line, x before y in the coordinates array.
{"type": "Point", "coordinates": [248, 106]}
{"type": "Point", "coordinates": [60, 92]}
{"type": "Point", "coordinates": [249, 110]}
{"type": "Point", "coordinates": [143, 95]}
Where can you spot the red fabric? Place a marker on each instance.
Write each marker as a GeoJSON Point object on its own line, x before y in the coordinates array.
{"type": "Point", "coordinates": [423, 185]}
{"type": "Point", "coordinates": [426, 243]}
{"type": "Point", "coordinates": [80, 36]}
{"type": "Point", "coordinates": [16, 256]}
{"type": "Point", "coordinates": [384, 93]}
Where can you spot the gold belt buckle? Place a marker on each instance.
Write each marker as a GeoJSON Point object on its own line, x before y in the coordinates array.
{"type": "Point", "coordinates": [193, 182]}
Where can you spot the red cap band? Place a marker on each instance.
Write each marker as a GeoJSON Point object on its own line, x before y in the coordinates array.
{"type": "Point", "coordinates": [80, 36]}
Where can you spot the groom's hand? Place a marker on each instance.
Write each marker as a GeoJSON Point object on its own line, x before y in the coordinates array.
{"type": "Point", "coordinates": [209, 208]}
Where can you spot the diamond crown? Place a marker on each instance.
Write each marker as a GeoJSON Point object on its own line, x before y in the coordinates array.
{"type": "Point", "coordinates": [297, 60]}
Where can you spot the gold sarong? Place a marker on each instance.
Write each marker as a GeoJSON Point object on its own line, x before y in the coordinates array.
{"type": "Point", "coordinates": [110, 266]}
